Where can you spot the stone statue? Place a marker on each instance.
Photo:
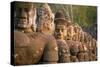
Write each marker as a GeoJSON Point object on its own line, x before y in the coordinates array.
{"type": "Point", "coordinates": [76, 33]}
{"type": "Point", "coordinates": [74, 50]}
{"type": "Point", "coordinates": [60, 33]}
{"type": "Point", "coordinates": [32, 47]}
{"type": "Point", "coordinates": [83, 54]}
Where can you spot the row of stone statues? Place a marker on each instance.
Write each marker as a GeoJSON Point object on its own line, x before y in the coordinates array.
{"type": "Point", "coordinates": [41, 36]}
{"type": "Point", "coordinates": [82, 46]}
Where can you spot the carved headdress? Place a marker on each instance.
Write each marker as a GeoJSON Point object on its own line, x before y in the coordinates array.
{"type": "Point", "coordinates": [60, 19]}
{"type": "Point", "coordinates": [45, 19]}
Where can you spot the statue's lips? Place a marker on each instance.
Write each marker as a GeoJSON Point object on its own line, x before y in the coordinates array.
{"type": "Point", "coordinates": [22, 23]}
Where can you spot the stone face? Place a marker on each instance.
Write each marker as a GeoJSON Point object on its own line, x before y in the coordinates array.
{"type": "Point", "coordinates": [60, 32]}
{"type": "Point", "coordinates": [25, 18]}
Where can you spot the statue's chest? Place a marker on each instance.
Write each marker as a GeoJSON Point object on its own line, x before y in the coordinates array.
{"type": "Point", "coordinates": [37, 44]}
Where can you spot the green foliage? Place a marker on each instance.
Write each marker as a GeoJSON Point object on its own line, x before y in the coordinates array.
{"type": "Point", "coordinates": [85, 16]}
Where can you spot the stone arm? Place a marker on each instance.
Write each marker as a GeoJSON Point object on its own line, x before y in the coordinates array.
{"type": "Point", "coordinates": [50, 51]}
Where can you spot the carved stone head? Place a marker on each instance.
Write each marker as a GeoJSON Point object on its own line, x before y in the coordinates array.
{"type": "Point", "coordinates": [26, 17]}
{"type": "Point", "coordinates": [60, 31]}
{"type": "Point", "coordinates": [45, 20]}
{"type": "Point", "coordinates": [60, 26]}
{"type": "Point", "coordinates": [70, 32]}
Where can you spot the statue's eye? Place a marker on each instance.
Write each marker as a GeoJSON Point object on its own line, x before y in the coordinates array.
{"type": "Point", "coordinates": [62, 30]}
{"type": "Point", "coordinates": [57, 30]}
